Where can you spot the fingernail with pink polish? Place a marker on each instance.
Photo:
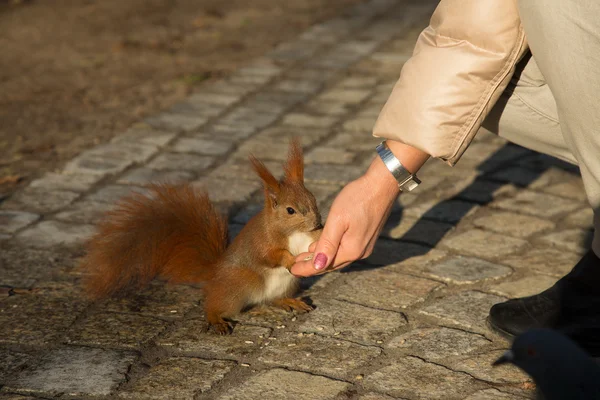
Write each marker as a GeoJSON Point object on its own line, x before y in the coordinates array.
{"type": "Point", "coordinates": [320, 261]}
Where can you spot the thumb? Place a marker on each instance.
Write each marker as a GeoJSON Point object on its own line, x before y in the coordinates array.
{"type": "Point", "coordinates": [328, 244]}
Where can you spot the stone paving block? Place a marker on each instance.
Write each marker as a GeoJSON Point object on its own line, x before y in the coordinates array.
{"type": "Point", "coordinates": [245, 214]}
{"type": "Point", "coordinates": [231, 130]}
{"type": "Point", "coordinates": [196, 109]}
{"type": "Point", "coordinates": [345, 95]}
{"type": "Point", "coordinates": [41, 200]}
{"type": "Point", "coordinates": [391, 59]}
{"type": "Point", "coordinates": [382, 289]}
{"type": "Point", "coordinates": [322, 191]}
{"type": "Point", "coordinates": [176, 122]}
{"type": "Point", "coordinates": [493, 394]}
{"type": "Point", "coordinates": [12, 221]}
{"type": "Point", "coordinates": [269, 316]}
{"type": "Point", "coordinates": [492, 155]}
{"type": "Point", "coordinates": [575, 240]}
{"type": "Point", "coordinates": [543, 162]}
{"type": "Point", "coordinates": [391, 251]}
{"type": "Point", "coordinates": [55, 233]}
{"type": "Point", "coordinates": [113, 193]}
{"type": "Point", "coordinates": [136, 152]}
{"type": "Point", "coordinates": [249, 119]}
{"type": "Point", "coordinates": [38, 317]}
{"type": "Point", "coordinates": [309, 121]}
{"type": "Point", "coordinates": [480, 367]}
{"type": "Point", "coordinates": [360, 124]}
{"type": "Point", "coordinates": [579, 219]}
{"type": "Point", "coordinates": [93, 165]}
{"type": "Point", "coordinates": [86, 212]}
{"type": "Point", "coordinates": [241, 169]}
{"type": "Point", "coordinates": [469, 309]}
{"type": "Point", "coordinates": [177, 378]}
{"type": "Point", "coordinates": [228, 191]}
{"type": "Point", "coordinates": [523, 287]}
{"type": "Point", "coordinates": [216, 99]}
{"type": "Point", "coordinates": [517, 175]}
{"type": "Point", "coordinates": [40, 264]}
{"type": "Point", "coordinates": [299, 86]}
{"type": "Point", "coordinates": [192, 337]}
{"type": "Point", "coordinates": [332, 174]}
{"type": "Point", "coordinates": [484, 244]}
{"type": "Point", "coordinates": [329, 156]}
{"type": "Point", "coordinates": [144, 176]}
{"type": "Point", "coordinates": [354, 142]}
{"type": "Point", "coordinates": [267, 101]}
{"type": "Point", "coordinates": [358, 82]}
{"type": "Point", "coordinates": [202, 146]}
{"type": "Point", "coordinates": [450, 211]}
{"type": "Point", "coordinates": [178, 162]}
{"type": "Point", "coordinates": [416, 230]}
{"type": "Point", "coordinates": [513, 224]}
{"type": "Point", "coordinates": [370, 110]}
{"type": "Point", "coordinates": [416, 209]}
{"type": "Point", "coordinates": [411, 377]}
{"type": "Point", "coordinates": [158, 300]}
{"type": "Point", "coordinates": [538, 204]}
{"type": "Point", "coordinates": [463, 270]}
{"type": "Point", "coordinates": [572, 189]}
{"type": "Point", "coordinates": [351, 321]}
{"type": "Point", "coordinates": [74, 371]}
{"type": "Point", "coordinates": [440, 343]}
{"type": "Point", "coordinates": [69, 182]}
{"type": "Point", "coordinates": [277, 151]}
{"type": "Point", "coordinates": [295, 51]}
{"type": "Point", "coordinates": [280, 384]}
{"type": "Point", "coordinates": [284, 134]}
{"type": "Point", "coordinates": [482, 191]}
{"type": "Point", "coordinates": [225, 87]}
{"type": "Point", "coordinates": [256, 113]}
{"type": "Point", "coordinates": [544, 260]}
{"type": "Point", "coordinates": [144, 133]}
{"type": "Point", "coordinates": [11, 361]}
{"type": "Point", "coordinates": [376, 396]}
{"type": "Point", "coordinates": [321, 107]}
{"type": "Point", "coordinates": [261, 67]}
{"type": "Point", "coordinates": [115, 331]}
{"type": "Point", "coordinates": [15, 397]}
{"type": "Point", "coordinates": [315, 354]}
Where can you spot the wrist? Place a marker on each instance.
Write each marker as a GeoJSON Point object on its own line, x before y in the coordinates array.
{"type": "Point", "coordinates": [411, 159]}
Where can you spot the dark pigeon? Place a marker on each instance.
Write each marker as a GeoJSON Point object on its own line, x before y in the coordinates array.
{"type": "Point", "coordinates": [559, 367]}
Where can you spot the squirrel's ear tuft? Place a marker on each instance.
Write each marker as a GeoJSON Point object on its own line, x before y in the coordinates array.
{"type": "Point", "coordinates": [294, 168]}
{"type": "Point", "coordinates": [270, 184]}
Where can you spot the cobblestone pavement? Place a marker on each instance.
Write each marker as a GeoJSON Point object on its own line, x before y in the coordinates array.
{"type": "Point", "coordinates": [407, 323]}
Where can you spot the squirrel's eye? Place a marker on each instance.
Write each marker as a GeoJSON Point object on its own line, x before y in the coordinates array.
{"type": "Point", "coordinates": [290, 210]}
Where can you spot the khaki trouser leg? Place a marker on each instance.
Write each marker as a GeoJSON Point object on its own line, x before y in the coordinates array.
{"type": "Point", "coordinates": [552, 106]}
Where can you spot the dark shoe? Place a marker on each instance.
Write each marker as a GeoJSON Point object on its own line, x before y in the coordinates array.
{"type": "Point", "coordinates": [572, 306]}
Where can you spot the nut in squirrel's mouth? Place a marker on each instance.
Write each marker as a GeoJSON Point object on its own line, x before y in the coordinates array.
{"type": "Point", "coordinates": [317, 228]}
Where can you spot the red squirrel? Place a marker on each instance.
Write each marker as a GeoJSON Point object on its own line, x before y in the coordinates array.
{"type": "Point", "coordinates": [175, 233]}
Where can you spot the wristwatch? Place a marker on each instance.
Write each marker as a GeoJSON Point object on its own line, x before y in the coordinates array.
{"type": "Point", "coordinates": [406, 180]}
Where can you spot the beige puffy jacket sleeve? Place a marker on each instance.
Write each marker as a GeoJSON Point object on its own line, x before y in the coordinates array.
{"type": "Point", "coordinates": [461, 64]}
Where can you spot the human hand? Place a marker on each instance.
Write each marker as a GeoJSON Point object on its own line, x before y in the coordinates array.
{"type": "Point", "coordinates": [357, 216]}
{"type": "Point", "coordinates": [355, 220]}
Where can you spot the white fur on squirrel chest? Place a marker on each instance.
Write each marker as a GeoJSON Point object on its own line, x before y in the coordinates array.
{"type": "Point", "coordinates": [298, 242]}
{"type": "Point", "coordinates": [278, 282]}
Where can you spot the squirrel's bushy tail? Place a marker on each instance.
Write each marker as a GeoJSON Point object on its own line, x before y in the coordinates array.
{"type": "Point", "coordinates": [174, 232]}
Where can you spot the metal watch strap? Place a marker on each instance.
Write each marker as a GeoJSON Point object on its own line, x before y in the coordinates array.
{"type": "Point", "coordinates": [406, 180]}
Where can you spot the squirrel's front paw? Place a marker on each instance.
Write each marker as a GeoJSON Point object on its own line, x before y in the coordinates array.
{"type": "Point", "coordinates": [222, 327]}
{"type": "Point", "coordinates": [290, 304]}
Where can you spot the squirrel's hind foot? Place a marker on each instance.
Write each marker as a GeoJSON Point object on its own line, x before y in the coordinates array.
{"type": "Point", "coordinates": [221, 327]}
{"type": "Point", "coordinates": [290, 304]}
